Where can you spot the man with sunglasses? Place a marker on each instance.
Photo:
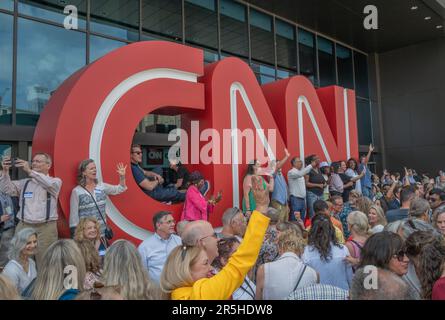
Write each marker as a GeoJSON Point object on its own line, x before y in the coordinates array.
{"type": "Point", "coordinates": [151, 181]}
{"type": "Point", "coordinates": [436, 198]}
{"type": "Point", "coordinates": [155, 250]}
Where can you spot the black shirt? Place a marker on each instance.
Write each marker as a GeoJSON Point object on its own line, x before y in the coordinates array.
{"type": "Point", "coordinates": [316, 177]}
{"type": "Point", "coordinates": [346, 179]}
{"type": "Point", "coordinates": [183, 174]}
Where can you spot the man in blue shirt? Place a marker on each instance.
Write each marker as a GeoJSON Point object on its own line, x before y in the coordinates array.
{"type": "Point", "coordinates": [280, 191]}
{"type": "Point", "coordinates": [151, 181]}
{"type": "Point", "coordinates": [366, 181]}
{"type": "Point", "coordinates": [155, 250]}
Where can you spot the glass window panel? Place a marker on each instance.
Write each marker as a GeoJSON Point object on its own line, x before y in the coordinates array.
{"type": "Point", "coordinates": [326, 62]}
{"type": "Point", "coordinates": [6, 51]}
{"type": "Point", "coordinates": [53, 10]}
{"type": "Point", "coordinates": [5, 150]}
{"type": "Point", "coordinates": [7, 4]}
{"type": "Point", "coordinates": [201, 25]}
{"type": "Point", "coordinates": [262, 69]}
{"type": "Point", "coordinates": [117, 18]}
{"type": "Point", "coordinates": [306, 47]}
{"type": "Point", "coordinates": [162, 17]}
{"type": "Point", "coordinates": [101, 46]}
{"type": "Point", "coordinates": [286, 45]}
{"type": "Point", "coordinates": [210, 57]}
{"type": "Point", "coordinates": [283, 74]}
{"type": "Point", "coordinates": [344, 67]}
{"type": "Point", "coordinates": [234, 28]}
{"type": "Point", "coordinates": [261, 36]}
{"type": "Point", "coordinates": [47, 55]}
{"type": "Point", "coordinates": [364, 123]}
{"type": "Point", "coordinates": [361, 75]}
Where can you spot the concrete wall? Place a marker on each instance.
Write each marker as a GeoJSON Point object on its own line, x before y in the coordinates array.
{"type": "Point", "coordinates": [412, 83]}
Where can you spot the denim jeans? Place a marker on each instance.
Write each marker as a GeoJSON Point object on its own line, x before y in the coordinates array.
{"type": "Point", "coordinates": [297, 204]}
{"type": "Point", "coordinates": [167, 194]}
{"type": "Point", "coordinates": [367, 192]}
{"type": "Point", "coordinates": [311, 198]}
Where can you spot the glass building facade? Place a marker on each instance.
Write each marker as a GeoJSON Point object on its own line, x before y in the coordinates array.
{"type": "Point", "coordinates": [38, 53]}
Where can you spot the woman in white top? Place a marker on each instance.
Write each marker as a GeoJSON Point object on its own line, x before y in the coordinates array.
{"type": "Point", "coordinates": [352, 172]}
{"type": "Point", "coordinates": [226, 247]}
{"type": "Point", "coordinates": [277, 279]}
{"type": "Point", "coordinates": [21, 269]}
{"type": "Point", "coordinates": [326, 255]}
{"type": "Point", "coordinates": [376, 218]}
{"type": "Point", "coordinates": [89, 197]}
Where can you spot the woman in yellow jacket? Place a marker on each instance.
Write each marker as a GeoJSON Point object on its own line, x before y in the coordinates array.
{"type": "Point", "coordinates": [185, 274]}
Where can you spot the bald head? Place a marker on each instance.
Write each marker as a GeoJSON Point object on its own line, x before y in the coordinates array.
{"type": "Point", "coordinates": [200, 233]}
{"type": "Point", "coordinates": [195, 230]}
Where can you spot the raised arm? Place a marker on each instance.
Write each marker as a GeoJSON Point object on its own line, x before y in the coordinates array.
{"type": "Point", "coordinates": [281, 163]}
{"type": "Point", "coordinates": [370, 151]}
{"type": "Point", "coordinates": [222, 285]}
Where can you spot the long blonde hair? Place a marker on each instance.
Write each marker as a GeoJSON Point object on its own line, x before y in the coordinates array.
{"type": "Point", "coordinates": [49, 284]}
{"type": "Point", "coordinates": [177, 270]}
{"type": "Point", "coordinates": [78, 234]}
{"type": "Point", "coordinates": [123, 267]}
{"type": "Point", "coordinates": [7, 289]}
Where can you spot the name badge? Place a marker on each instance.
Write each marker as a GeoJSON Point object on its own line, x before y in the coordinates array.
{"type": "Point", "coordinates": [28, 195]}
{"type": "Point", "coordinates": [97, 191]}
{"type": "Point", "coordinates": [8, 210]}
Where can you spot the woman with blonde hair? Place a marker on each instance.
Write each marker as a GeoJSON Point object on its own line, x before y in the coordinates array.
{"type": "Point", "coordinates": [376, 219]}
{"type": "Point", "coordinates": [438, 220]}
{"type": "Point", "coordinates": [89, 229]}
{"type": "Point", "coordinates": [123, 267]}
{"type": "Point", "coordinates": [7, 289]}
{"type": "Point", "coordinates": [62, 265]}
{"type": "Point", "coordinates": [92, 263]}
{"type": "Point", "coordinates": [186, 272]}
{"type": "Point", "coordinates": [359, 229]}
{"type": "Point", "coordinates": [277, 279]}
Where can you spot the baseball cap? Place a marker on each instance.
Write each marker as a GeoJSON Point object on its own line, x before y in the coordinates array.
{"type": "Point", "coordinates": [324, 164]}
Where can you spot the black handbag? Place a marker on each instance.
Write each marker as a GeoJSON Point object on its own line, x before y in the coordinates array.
{"type": "Point", "coordinates": [108, 231]}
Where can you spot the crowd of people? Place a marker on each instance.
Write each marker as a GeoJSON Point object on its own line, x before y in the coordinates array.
{"type": "Point", "coordinates": [320, 234]}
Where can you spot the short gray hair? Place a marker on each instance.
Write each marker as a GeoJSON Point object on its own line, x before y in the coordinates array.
{"type": "Point", "coordinates": [19, 241]}
{"type": "Point", "coordinates": [229, 214]}
{"type": "Point", "coordinates": [409, 226]}
{"type": "Point", "coordinates": [418, 207]}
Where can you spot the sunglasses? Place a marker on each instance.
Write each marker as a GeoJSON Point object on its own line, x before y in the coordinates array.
{"type": "Point", "coordinates": [400, 255]}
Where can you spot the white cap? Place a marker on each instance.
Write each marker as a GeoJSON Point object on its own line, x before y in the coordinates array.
{"type": "Point", "coordinates": [324, 164]}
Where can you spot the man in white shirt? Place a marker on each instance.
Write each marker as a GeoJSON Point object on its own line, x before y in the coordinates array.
{"type": "Point", "coordinates": [155, 250]}
{"type": "Point", "coordinates": [297, 188]}
{"type": "Point", "coordinates": [38, 196]}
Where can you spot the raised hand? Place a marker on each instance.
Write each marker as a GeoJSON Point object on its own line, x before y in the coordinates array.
{"type": "Point", "coordinates": [6, 164]}
{"type": "Point", "coordinates": [260, 194]}
{"type": "Point", "coordinates": [371, 148]}
{"type": "Point", "coordinates": [121, 169]}
{"type": "Point", "coordinates": [286, 152]}
{"type": "Point", "coordinates": [19, 163]}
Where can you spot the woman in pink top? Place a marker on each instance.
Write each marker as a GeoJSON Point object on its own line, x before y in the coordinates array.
{"type": "Point", "coordinates": [196, 207]}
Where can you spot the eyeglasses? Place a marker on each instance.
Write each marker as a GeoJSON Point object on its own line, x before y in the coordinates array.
{"type": "Point", "coordinates": [169, 221]}
{"type": "Point", "coordinates": [214, 235]}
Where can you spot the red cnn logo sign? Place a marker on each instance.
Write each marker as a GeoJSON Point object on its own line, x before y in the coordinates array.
{"type": "Point", "coordinates": [93, 114]}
